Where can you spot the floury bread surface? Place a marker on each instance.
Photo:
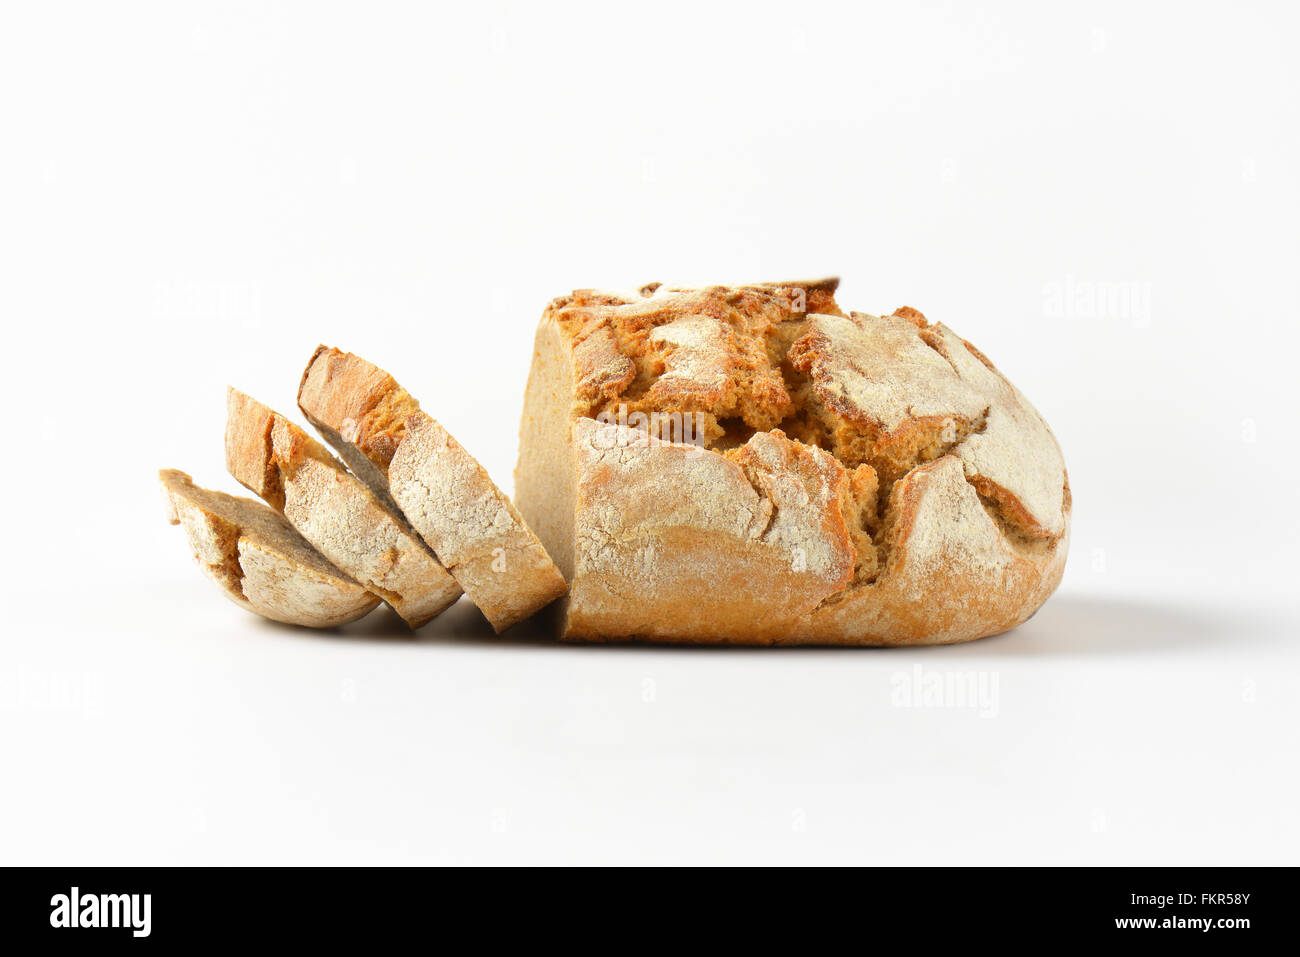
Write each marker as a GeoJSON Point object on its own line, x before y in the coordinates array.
{"type": "Point", "coordinates": [257, 558]}
{"type": "Point", "coordinates": [848, 479]}
{"type": "Point", "coordinates": [418, 469]}
{"type": "Point", "coordinates": [334, 510]}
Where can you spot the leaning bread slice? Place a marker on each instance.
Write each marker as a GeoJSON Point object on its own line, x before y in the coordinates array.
{"type": "Point", "coordinates": [335, 511]}
{"type": "Point", "coordinates": [444, 493]}
{"type": "Point", "coordinates": [257, 558]}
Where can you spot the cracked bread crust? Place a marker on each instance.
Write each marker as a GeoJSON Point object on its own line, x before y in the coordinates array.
{"type": "Point", "coordinates": [888, 389]}
{"type": "Point", "coordinates": [334, 511]}
{"type": "Point", "coordinates": [258, 560]}
{"type": "Point", "coordinates": [411, 462]}
{"type": "Point", "coordinates": [867, 480]}
{"type": "Point", "coordinates": [707, 351]}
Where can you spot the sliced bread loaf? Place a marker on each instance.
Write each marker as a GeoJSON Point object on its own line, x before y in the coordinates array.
{"type": "Point", "coordinates": [334, 511]}
{"type": "Point", "coordinates": [409, 459]}
{"type": "Point", "coordinates": [258, 560]}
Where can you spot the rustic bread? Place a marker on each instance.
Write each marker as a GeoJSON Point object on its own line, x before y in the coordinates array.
{"type": "Point", "coordinates": [410, 461]}
{"type": "Point", "coordinates": [258, 559]}
{"type": "Point", "coordinates": [848, 479]}
{"type": "Point", "coordinates": [334, 511]}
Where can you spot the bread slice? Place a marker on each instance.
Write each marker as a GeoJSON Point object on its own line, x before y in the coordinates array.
{"type": "Point", "coordinates": [334, 510]}
{"type": "Point", "coordinates": [408, 459]}
{"type": "Point", "coordinates": [258, 559]}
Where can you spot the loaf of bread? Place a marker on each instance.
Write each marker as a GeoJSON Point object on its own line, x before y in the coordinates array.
{"type": "Point", "coordinates": [411, 462]}
{"type": "Point", "coordinates": [753, 465]}
{"type": "Point", "coordinates": [334, 510]}
{"type": "Point", "coordinates": [257, 559]}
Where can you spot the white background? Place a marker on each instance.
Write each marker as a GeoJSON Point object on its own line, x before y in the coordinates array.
{"type": "Point", "coordinates": [1105, 201]}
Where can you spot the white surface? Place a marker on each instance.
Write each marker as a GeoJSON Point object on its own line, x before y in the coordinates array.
{"type": "Point", "coordinates": [414, 185]}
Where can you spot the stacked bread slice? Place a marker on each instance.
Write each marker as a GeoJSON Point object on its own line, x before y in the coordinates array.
{"type": "Point", "coordinates": [335, 511]}
{"type": "Point", "coordinates": [416, 522]}
{"type": "Point", "coordinates": [409, 459]}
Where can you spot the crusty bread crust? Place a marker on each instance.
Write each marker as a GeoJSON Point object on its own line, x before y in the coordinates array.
{"type": "Point", "coordinates": [258, 560]}
{"type": "Point", "coordinates": [407, 457]}
{"type": "Point", "coordinates": [856, 479]}
{"type": "Point", "coordinates": [335, 511]}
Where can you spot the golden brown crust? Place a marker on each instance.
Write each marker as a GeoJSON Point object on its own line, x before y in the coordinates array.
{"type": "Point", "coordinates": [367, 404]}
{"type": "Point", "coordinates": [604, 372]}
{"type": "Point", "coordinates": [249, 457]}
{"type": "Point", "coordinates": [263, 448]}
{"type": "Point", "coordinates": [705, 350]}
